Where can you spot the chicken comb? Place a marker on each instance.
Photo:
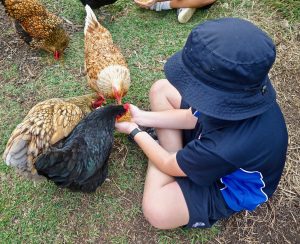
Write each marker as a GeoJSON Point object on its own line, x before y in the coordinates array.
{"type": "Point", "coordinates": [125, 117]}
{"type": "Point", "coordinates": [126, 106]}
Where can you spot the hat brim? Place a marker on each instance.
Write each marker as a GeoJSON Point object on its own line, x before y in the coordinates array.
{"type": "Point", "coordinates": [214, 102]}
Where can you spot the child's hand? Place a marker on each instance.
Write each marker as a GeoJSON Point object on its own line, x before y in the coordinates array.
{"type": "Point", "coordinates": [135, 112]}
{"type": "Point", "coordinates": [128, 126]}
{"type": "Point", "coordinates": [145, 3]}
{"type": "Point", "coordinates": [125, 127]}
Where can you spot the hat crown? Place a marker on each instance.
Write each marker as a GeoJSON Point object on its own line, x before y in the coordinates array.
{"type": "Point", "coordinates": [223, 68]}
{"type": "Point", "coordinates": [229, 54]}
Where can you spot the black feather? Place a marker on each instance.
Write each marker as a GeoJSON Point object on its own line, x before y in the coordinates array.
{"type": "Point", "coordinates": [79, 162]}
{"type": "Point", "coordinates": [23, 34]}
{"type": "Point", "coordinates": [97, 3]}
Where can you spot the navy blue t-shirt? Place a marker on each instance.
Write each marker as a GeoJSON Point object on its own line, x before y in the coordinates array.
{"type": "Point", "coordinates": [247, 156]}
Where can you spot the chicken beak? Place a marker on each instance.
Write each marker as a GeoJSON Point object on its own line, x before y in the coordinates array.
{"type": "Point", "coordinates": [119, 100]}
{"type": "Point", "coordinates": [117, 95]}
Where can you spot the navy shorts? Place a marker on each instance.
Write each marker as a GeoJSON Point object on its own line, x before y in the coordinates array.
{"type": "Point", "coordinates": [206, 204]}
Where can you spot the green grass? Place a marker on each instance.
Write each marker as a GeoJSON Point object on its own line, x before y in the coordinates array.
{"type": "Point", "coordinates": [43, 213]}
{"type": "Point", "coordinates": [289, 8]}
{"type": "Point", "coordinates": [11, 72]}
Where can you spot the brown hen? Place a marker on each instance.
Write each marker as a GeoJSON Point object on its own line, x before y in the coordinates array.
{"type": "Point", "coordinates": [38, 27]}
{"type": "Point", "coordinates": [45, 124]}
{"type": "Point", "coordinates": [106, 68]}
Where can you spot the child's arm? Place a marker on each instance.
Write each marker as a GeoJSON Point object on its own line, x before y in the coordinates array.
{"type": "Point", "coordinates": [162, 159]}
{"type": "Point", "coordinates": [170, 119]}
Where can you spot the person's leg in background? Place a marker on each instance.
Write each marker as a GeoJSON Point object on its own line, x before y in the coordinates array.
{"type": "Point", "coordinates": [186, 8]}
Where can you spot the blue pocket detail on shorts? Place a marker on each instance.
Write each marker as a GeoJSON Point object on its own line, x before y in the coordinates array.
{"type": "Point", "coordinates": [243, 190]}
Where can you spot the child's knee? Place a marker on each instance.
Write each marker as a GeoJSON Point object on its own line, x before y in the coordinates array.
{"type": "Point", "coordinates": [155, 215]}
{"type": "Point", "coordinates": [157, 89]}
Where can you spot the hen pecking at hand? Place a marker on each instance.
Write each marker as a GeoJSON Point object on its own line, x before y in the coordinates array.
{"type": "Point", "coordinates": [37, 27]}
{"type": "Point", "coordinates": [80, 161]}
{"type": "Point", "coordinates": [45, 124]}
{"type": "Point", "coordinates": [106, 68]}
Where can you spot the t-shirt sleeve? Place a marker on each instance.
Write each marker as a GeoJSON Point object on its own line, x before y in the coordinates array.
{"type": "Point", "coordinates": [201, 164]}
{"type": "Point", "coordinates": [195, 112]}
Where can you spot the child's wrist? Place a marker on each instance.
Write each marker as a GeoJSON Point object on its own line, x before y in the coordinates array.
{"type": "Point", "coordinates": [139, 116]}
{"type": "Point", "coordinates": [131, 128]}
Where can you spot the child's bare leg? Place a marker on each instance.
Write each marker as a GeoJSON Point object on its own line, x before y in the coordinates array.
{"type": "Point", "coordinates": [164, 96]}
{"type": "Point", "coordinates": [164, 205]}
{"type": "Point", "coordinates": [163, 202]}
{"type": "Point", "coordinates": [190, 3]}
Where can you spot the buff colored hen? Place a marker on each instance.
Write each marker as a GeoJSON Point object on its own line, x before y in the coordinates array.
{"type": "Point", "coordinates": [45, 124]}
{"type": "Point", "coordinates": [38, 27]}
{"type": "Point", "coordinates": [106, 68]}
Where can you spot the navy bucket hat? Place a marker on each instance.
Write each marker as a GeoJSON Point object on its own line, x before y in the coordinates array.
{"type": "Point", "coordinates": [222, 71]}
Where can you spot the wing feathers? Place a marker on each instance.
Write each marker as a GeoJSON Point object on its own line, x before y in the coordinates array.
{"type": "Point", "coordinates": [45, 124]}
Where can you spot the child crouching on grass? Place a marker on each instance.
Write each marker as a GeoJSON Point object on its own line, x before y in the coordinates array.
{"type": "Point", "coordinates": [185, 8]}
{"type": "Point", "coordinates": [222, 136]}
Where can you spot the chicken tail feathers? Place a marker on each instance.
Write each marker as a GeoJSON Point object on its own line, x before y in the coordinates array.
{"type": "Point", "coordinates": [16, 153]}
{"type": "Point", "coordinates": [91, 21]}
